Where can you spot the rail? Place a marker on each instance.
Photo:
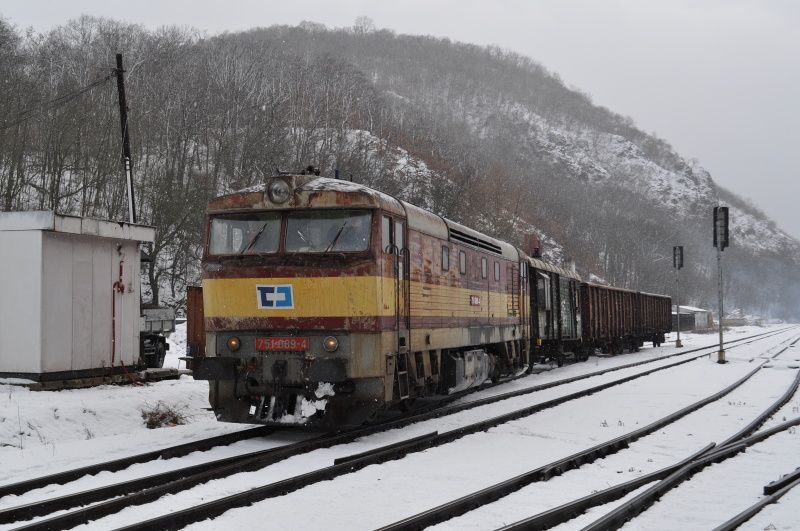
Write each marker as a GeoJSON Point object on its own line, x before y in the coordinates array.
{"type": "Point", "coordinates": [570, 510]}
{"type": "Point", "coordinates": [490, 494]}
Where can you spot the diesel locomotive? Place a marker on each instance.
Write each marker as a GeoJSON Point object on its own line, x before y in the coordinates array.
{"type": "Point", "coordinates": [326, 302]}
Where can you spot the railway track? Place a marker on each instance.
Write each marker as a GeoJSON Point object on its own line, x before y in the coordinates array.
{"type": "Point", "coordinates": [668, 477]}
{"type": "Point", "coordinates": [490, 494]}
{"type": "Point", "coordinates": [181, 450]}
{"type": "Point", "coordinates": [142, 490]}
{"type": "Point", "coordinates": [618, 517]}
{"type": "Point", "coordinates": [773, 492]}
{"type": "Point", "coordinates": [725, 450]}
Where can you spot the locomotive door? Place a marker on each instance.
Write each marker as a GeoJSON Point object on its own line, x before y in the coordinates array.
{"type": "Point", "coordinates": [520, 273]}
{"type": "Point", "coordinates": [396, 268]}
{"type": "Point", "coordinates": [402, 287]}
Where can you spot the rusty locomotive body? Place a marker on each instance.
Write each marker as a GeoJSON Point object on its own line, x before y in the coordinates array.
{"type": "Point", "coordinates": [326, 301]}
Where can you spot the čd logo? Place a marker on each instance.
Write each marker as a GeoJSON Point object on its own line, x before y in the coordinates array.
{"type": "Point", "coordinates": [275, 296]}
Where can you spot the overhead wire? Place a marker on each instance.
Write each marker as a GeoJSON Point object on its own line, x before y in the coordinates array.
{"type": "Point", "coordinates": [31, 112]}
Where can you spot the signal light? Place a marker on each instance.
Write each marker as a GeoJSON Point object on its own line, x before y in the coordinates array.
{"type": "Point", "coordinates": [234, 343]}
{"type": "Point", "coordinates": [721, 230]}
{"type": "Point", "coordinates": [330, 344]}
{"type": "Point", "coordinates": [677, 257]}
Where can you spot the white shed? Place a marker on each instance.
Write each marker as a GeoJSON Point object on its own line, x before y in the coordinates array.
{"type": "Point", "coordinates": [693, 318]}
{"type": "Point", "coordinates": [69, 295]}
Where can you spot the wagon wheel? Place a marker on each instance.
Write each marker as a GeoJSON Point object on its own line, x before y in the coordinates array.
{"type": "Point", "coordinates": [406, 404]}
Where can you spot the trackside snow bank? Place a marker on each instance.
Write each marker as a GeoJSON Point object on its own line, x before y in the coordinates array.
{"type": "Point", "coordinates": [45, 431]}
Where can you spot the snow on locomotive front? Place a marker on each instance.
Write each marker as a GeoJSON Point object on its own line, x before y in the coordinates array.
{"type": "Point", "coordinates": [308, 288]}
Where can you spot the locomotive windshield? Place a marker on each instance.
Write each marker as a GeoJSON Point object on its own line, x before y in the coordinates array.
{"type": "Point", "coordinates": [245, 233]}
{"type": "Point", "coordinates": [323, 231]}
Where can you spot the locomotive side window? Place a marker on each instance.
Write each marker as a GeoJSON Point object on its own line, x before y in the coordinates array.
{"type": "Point", "coordinates": [483, 267]}
{"type": "Point", "coordinates": [323, 231]}
{"type": "Point", "coordinates": [497, 271]}
{"type": "Point", "coordinates": [445, 258]}
{"type": "Point", "coordinates": [462, 262]}
{"type": "Point", "coordinates": [386, 234]}
{"type": "Point", "coordinates": [399, 234]}
{"type": "Point", "coordinates": [245, 233]}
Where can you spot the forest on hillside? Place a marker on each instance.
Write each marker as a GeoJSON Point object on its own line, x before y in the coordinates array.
{"type": "Point", "coordinates": [481, 135]}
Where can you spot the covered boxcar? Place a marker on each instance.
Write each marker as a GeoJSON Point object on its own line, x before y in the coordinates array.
{"type": "Point", "coordinates": [556, 327]}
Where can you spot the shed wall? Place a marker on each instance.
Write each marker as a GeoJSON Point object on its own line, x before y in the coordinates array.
{"type": "Point", "coordinates": [78, 277]}
{"type": "Point", "coordinates": [20, 301]}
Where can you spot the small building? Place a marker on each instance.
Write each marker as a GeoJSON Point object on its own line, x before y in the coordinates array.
{"type": "Point", "coordinates": [691, 318]}
{"type": "Point", "coordinates": [70, 295]}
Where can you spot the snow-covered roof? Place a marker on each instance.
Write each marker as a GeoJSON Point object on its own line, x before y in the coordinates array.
{"type": "Point", "coordinates": [47, 220]}
{"type": "Point", "coordinates": [690, 309]}
{"type": "Point", "coordinates": [544, 266]}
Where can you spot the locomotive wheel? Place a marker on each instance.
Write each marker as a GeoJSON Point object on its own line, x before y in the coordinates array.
{"type": "Point", "coordinates": [161, 354]}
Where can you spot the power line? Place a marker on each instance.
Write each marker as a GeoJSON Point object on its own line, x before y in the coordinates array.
{"type": "Point", "coordinates": [27, 114]}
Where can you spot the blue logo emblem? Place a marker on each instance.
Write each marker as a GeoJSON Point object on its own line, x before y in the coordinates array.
{"type": "Point", "coordinates": [275, 296]}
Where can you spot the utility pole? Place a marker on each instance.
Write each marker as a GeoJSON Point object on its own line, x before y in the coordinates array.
{"type": "Point", "coordinates": [677, 263]}
{"type": "Point", "coordinates": [721, 241]}
{"type": "Point", "coordinates": [127, 161]}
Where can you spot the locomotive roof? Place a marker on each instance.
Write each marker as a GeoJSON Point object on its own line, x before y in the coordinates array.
{"type": "Point", "coordinates": [462, 234]}
{"type": "Point", "coordinates": [544, 266]}
{"type": "Point", "coordinates": [309, 192]}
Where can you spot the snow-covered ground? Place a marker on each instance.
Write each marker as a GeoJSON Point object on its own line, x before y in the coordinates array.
{"type": "Point", "coordinates": [44, 432]}
{"type": "Point", "coordinates": [47, 431]}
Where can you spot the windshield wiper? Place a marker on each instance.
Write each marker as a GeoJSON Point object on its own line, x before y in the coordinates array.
{"type": "Point", "coordinates": [303, 238]}
{"type": "Point", "coordinates": [255, 238]}
{"type": "Point", "coordinates": [336, 238]}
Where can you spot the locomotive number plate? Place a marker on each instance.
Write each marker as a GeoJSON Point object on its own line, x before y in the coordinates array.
{"type": "Point", "coordinates": [281, 343]}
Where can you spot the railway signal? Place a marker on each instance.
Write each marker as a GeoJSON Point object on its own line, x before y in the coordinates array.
{"type": "Point", "coordinates": [721, 241]}
{"type": "Point", "coordinates": [677, 263]}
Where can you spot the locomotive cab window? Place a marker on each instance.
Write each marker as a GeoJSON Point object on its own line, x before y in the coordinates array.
{"type": "Point", "coordinates": [253, 233]}
{"type": "Point", "coordinates": [462, 262]}
{"type": "Point", "coordinates": [445, 258]}
{"type": "Point", "coordinates": [483, 267]}
{"type": "Point", "coordinates": [324, 231]}
{"type": "Point", "coordinates": [497, 271]}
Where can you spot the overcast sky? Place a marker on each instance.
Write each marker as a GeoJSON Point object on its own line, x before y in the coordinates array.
{"type": "Point", "coordinates": [718, 79]}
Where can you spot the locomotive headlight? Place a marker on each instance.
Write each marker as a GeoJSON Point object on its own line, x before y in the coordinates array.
{"type": "Point", "coordinates": [278, 191]}
{"type": "Point", "coordinates": [330, 344]}
{"type": "Point", "coordinates": [234, 343]}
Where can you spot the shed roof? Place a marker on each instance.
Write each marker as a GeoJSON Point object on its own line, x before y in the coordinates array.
{"type": "Point", "coordinates": [47, 220]}
{"type": "Point", "coordinates": [691, 309]}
